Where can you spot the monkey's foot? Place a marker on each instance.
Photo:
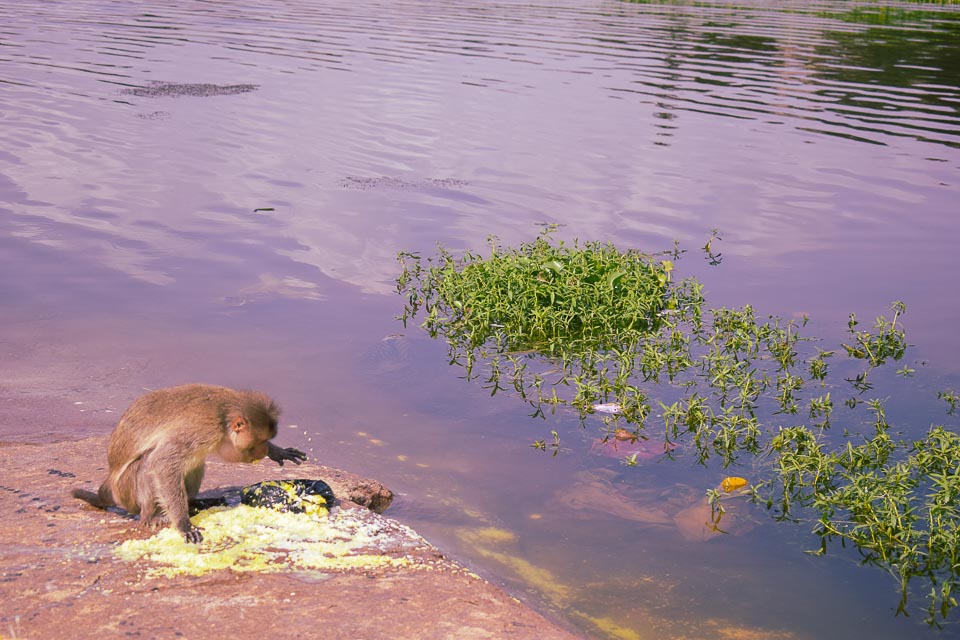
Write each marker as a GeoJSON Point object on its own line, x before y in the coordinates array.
{"type": "Point", "coordinates": [192, 534]}
{"type": "Point", "coordinates": [153, 523]}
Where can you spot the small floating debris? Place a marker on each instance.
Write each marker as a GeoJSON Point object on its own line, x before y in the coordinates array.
{"type": "Point", "coordinates": [624, 444]}
{"type": "Point", "coordinates": [608, 407]}
{"type": "Point", "coordinates": [732, 483]}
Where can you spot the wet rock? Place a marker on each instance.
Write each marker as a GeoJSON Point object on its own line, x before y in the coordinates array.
{"type": "Point", "coordinates": [681, 506]}
{"type": "Point", "coordinates": [593, 493]}
{"type": "Point", "coordinates": [700, 523]}
{"type": "Point", "coordinates": [371, 494]}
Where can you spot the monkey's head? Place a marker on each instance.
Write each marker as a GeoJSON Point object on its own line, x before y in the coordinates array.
{"type": "Point", "coordinates": [248, 428]}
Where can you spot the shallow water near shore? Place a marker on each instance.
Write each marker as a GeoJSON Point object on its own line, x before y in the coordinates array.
{"type": "Point", "coordinates": [195, 191]}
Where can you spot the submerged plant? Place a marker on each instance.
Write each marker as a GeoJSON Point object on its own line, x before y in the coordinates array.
{"type": "Point", "coordinates": [593, 328]}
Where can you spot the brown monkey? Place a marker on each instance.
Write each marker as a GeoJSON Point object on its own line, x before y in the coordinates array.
{"type": "Point", "coordinates": [158, 449]}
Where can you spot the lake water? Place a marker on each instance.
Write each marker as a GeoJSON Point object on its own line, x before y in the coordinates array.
{"type": "Point", "coordinates": [211, 191]}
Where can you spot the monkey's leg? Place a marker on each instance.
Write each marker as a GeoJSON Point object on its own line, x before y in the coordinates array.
{"type": "Point", "coordinates": [124, 487]}
{"type": "Point", "coordinates": [151, 516]}
{"type": "Point", "coordinates": [192, 480]}
{"type": "Point", "coordinates": [191, 483]}
{"type": "Point", "coordinates": [168, 478]}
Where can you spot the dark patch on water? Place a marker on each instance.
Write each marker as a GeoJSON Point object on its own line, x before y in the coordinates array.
{"type": "Point", "coordinates": [154, 115]}
{"type": "Point", "coordinates": [387, 182]}
{"type": "Point", "coordinates": [179, 90]}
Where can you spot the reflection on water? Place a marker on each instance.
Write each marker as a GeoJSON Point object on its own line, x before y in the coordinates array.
{"type": "Point", "coordinates": [203, 191]}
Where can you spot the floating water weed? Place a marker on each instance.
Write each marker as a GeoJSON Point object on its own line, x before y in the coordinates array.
{"type": "Point", "coordinates": [901, 514]}
{"type": "Point", "coordinates": [889, 341]}
{"type": "Point", "coordinates": [589, 326]}
{"type": "Point", "coordinates": [541, 297]}
{"type": "Point", "coordinates": [952, 398]}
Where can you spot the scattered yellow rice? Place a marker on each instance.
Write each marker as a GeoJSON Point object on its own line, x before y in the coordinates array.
{"type": "Point", "coordinates": [245, 538]}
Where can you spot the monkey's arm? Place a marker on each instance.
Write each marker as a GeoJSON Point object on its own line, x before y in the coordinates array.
{"type": "Point", "coordinates": [278, 454]}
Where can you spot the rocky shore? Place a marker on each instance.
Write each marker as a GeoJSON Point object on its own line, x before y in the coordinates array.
{"type": "Point", "coordinates": [61, 575]}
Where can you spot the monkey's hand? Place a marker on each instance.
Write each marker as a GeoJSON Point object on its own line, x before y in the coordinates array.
{"type": "Point", "coordinates": [279, 455]}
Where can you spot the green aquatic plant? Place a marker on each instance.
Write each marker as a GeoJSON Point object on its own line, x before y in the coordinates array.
{"type": "Point", "coordinates": [952, 398]}
{"type": "Point", "coordinates": [608, 332]}
{"type": "Point", "coordinates": [888, 342]}
{"type": "Point", "coordinates": [899, 511]}
{"type": "Point", "coordinates": [543, 297]}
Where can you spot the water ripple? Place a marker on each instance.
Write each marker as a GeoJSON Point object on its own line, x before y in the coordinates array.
{"type": "Point", "coordinates": [699, 53]}
{"type": "Point", "coordinates": [415, 90]}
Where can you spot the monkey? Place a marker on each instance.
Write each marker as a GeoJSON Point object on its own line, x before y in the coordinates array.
{"type": "Point", "coordinates": [157, 452]}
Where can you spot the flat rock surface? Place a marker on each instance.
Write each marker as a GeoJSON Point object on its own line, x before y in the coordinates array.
{"type": "Point", "coordinates": [60, 576]}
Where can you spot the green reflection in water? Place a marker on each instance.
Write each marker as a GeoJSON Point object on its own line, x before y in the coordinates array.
{"type": "Point", "coordinates": [878, 69]}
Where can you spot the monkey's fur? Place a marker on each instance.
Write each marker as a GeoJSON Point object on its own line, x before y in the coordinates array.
{"type": "Point", "coordinates": [158, 449]}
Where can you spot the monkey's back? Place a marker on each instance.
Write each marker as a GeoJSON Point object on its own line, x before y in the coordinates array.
{"type": "Point", "coordinates": [194, 411]}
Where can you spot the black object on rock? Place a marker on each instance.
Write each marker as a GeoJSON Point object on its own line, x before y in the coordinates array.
{"type": "Point", "coordinates": [295, 496]}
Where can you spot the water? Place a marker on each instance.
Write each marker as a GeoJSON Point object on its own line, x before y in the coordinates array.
{"type": "Point", "coordinates": [163, 221]}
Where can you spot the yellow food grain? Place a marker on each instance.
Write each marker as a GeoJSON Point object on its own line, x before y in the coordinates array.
{"type": "Point", "coordinates": [245, 539]}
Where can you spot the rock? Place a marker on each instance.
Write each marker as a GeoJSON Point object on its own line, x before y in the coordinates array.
{"type": "Point", "coordinates": [699, 523]}
{"type": "Point", "coordinates": [593, 493]}
{"type": "Point", "coordinates": [59, 566]}
{"type": "Point", "coordinates": [370, 494]}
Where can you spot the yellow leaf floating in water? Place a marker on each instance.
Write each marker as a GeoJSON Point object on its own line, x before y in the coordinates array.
{"type": "Point", "coordinates": [732, 483]}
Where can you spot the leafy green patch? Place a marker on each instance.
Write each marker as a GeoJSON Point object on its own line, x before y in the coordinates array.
{"type": "Point", "coordinates": [598, 329]}
{"type": "Point", "coordinates": [543, 297]}
{"type": "Point", "coordinates": [900, 513]}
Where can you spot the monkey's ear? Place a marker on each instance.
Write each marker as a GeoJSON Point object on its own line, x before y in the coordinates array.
{"type": "Point", "coordinates": [238, 424]}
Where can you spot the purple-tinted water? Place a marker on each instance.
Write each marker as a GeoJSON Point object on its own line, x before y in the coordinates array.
{"type": "Point", "coordinates": [206, 191]}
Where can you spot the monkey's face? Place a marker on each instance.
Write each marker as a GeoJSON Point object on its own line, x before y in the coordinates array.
{"type": "Point", "coordinates": [244, 443]}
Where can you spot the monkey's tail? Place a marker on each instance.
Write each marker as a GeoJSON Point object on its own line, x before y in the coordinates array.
{"type": "Point", "coordinates": [101, 499]}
